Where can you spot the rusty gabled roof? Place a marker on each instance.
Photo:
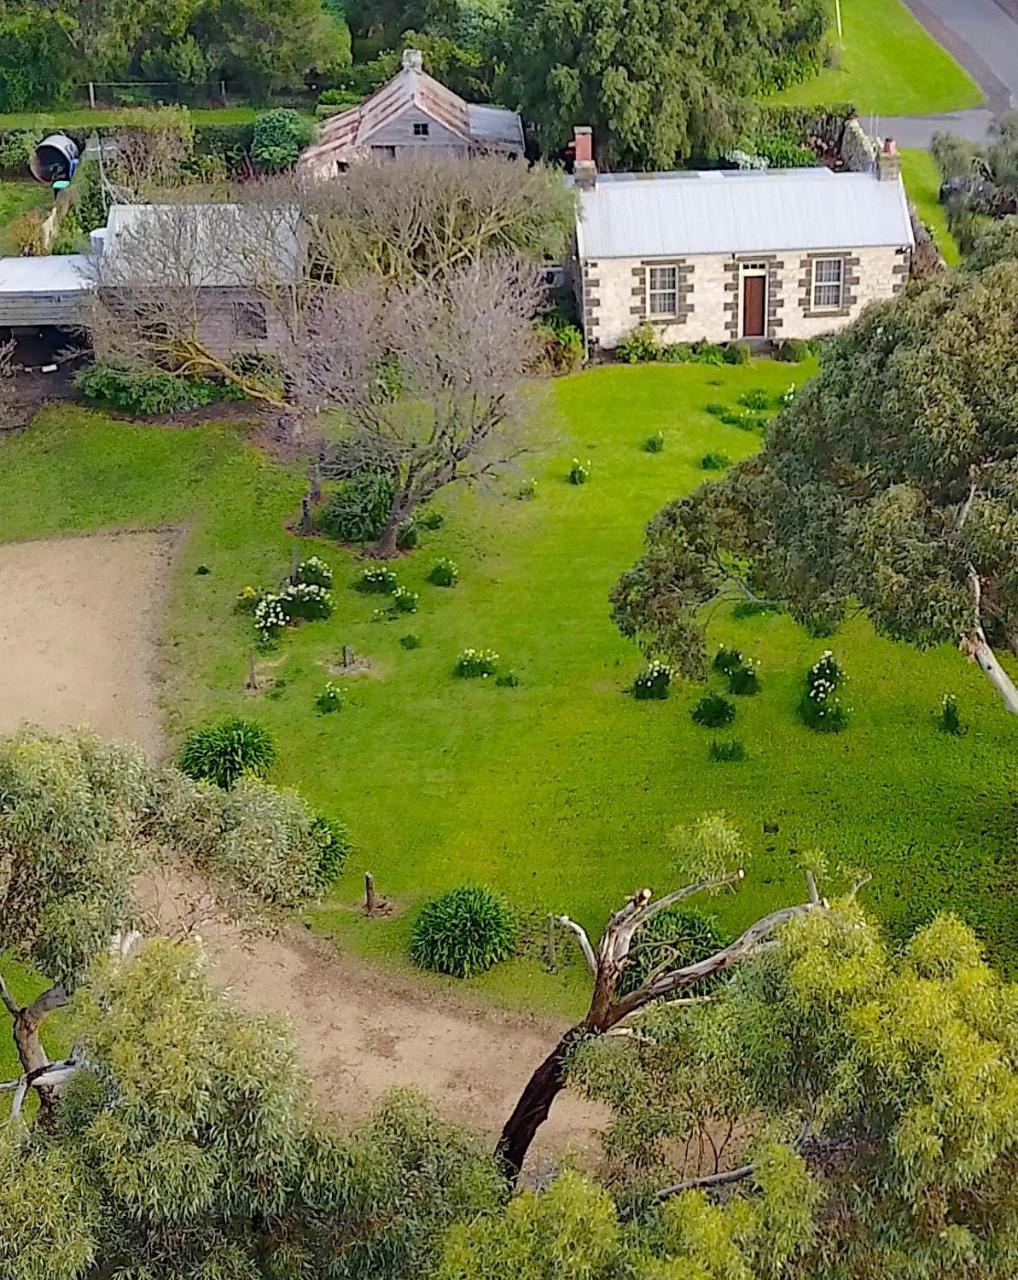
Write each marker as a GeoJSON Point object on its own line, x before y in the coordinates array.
{"type": "Point", "coordinates": [342, 136]}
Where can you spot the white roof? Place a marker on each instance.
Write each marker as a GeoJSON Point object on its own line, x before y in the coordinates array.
{"type": "Point", "coordinates": [634, 215]}
{"type": "Point", "coordinates": [45, 276]}
{"type": "Point", "coordinates": [212, 245]}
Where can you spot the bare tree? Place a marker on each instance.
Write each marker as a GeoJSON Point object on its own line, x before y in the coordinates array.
{"type": "Point", "coordinates": [426, 376]}
{"type": "Point", "coordinates": [189, 287]}
{"type": "Point", "coordinates": [429, 215]}
{"type": "Point", "coordinates": [609, 1008]}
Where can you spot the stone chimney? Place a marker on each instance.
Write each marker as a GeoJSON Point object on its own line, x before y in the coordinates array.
{"type": "Point", "coordinates": [888, 162]}
{"type": "Point", "coordinates": [584, 166]}
{"type": "Point", "coordinates": [413, 60]}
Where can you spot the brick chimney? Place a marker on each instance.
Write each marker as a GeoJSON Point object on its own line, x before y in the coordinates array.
{"type": "Point", "coordinates": [888, 162]}
{"type": "Point", "coordinates": [413, 60]}
{"type": "Point", "coordinates": [584, 167]}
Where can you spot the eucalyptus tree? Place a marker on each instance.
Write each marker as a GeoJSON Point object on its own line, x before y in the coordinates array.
{"type": "Point", "coordinates": [890, 484]}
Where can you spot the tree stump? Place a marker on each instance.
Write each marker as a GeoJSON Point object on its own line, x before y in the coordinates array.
{"type": "Point", "coordinates": [305, 516]}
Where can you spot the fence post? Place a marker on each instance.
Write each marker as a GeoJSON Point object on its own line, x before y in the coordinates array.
{"type": "Point", "coordinates": [91, 94]}
{"type": "Point", "coordinates": [222, 90]}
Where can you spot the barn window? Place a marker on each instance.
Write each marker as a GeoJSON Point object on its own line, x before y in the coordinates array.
{"type": "Point", "coordinates": [828, 283]}
{"type": "Point", "coordinates": [249, 320]}
{"type": "Point", "coordinates": [662, 291]}
{"type": "Point", "coordinates": [420, 129]}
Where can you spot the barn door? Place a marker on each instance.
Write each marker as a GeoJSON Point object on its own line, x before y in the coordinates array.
{"type": "Point", "coordinates": [754, 306]}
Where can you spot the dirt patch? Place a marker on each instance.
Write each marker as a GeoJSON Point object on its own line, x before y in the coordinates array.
{"type": "Point", "coordinates": [79, 633]}
{"type": "Point", "coordinates": [364, 1030]}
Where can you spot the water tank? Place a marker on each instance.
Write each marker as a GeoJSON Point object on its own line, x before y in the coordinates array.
{"type": "Point", "coordinates": [53, 159]}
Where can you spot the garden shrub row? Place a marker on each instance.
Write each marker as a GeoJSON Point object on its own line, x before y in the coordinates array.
{"type": "Point", "coordinates": [145, 390]}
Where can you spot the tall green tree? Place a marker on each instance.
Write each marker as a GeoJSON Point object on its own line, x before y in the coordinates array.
{"type": "Point", "coordinates": [654, 78]}
{"type": "Point", "coordinates": [891, 481]}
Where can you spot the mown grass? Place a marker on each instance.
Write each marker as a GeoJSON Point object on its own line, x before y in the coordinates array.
{"type": "Point", "coordinates": [81, 117]}
{"type": "Point", "coordinates": [562, 792]}
{"type": "Point", "coordinates": [922, 182]}
{"type": "Point", "coordinates": [887, 64]}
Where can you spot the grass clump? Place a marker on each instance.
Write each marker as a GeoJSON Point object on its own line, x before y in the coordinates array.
{"type": "Point", "coordinates": [463, 932]}
{"type": "Point", "coordinates": [228, 750]}
{"type": "Point", "coordinates": [727, 751]}
{"type": "Point", "coordinates": [713, 711]}
{"type": "Point", "coordinates": [715, 462]}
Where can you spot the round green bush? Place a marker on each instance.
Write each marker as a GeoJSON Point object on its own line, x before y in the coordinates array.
{"type": "Point", "coordinates": [225, 751]}
{"type": "Point", "coordinates": [333, 841]}
{"type": "Point", "coordinates": [681, 935]}
{"type": "Point", "coordinates": [713, 711]}
{"type": "Point", "coordinates": [444, 573]}
{"type": "Point", "coordinates": [463, 932]}
{"type": "Point", "coordinates": [358, 509]}
{"type": "Point", "coordinates": [280, 135]}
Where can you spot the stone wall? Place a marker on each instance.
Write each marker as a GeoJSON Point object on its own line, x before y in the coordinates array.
{"type": "Point", "coordinates": [858, 152]}
{"type": "Point", "coordinates": [614, 295]}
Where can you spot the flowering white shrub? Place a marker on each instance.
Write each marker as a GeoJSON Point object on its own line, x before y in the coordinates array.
{"type": "Point", "coordinates": [404, 600]}
{"type": "Point", "coordinates": [579, 472]}
{"type": "Point", "coordinates": [444, 573]}
{"type": "Point", "coordinates": [381, 581]}
{"type": "Point", "coordinates": [821, 708]}
{"type": "Point", "coordinates": [297, 600]}
{"type": "Point", "coordinates": [314, 571]}
{"type": "Point", "coordinates": [477, 663]}
{"type": "Point", "coordinates": [653, 682]}
{"type": "Point", "coordinates": [330, 699]}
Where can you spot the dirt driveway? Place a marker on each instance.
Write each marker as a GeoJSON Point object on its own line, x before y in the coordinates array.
{"type": "Point", "coordinates": [80, 622]}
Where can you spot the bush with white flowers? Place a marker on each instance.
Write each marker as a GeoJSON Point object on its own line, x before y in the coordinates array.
{"type": "Point", "coordinates": [314, 571]}
{"type": "Point", "coordinates": [477, 663]}
{"type": "Point", "coordinates": [304, 601]}
{"type": "Point", "coordinates": [381, 581]}
{"type": "Point", "coordinates": [821, 707]}
{"type": "Point", "coordinates": [653, 682]}
{"type": "Point", "coordinates": [579, 472]}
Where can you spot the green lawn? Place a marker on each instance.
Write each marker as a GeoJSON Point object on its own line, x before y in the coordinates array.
{"type": "Point", "coordinates": [922, 182]}
{"type": "Point", "coordinates": [561, 792]}
{"type": "Point", "coordinates": [17, 198]}
{"type": "Point", "coordinates": [81, 117]}
{"type": "Point", "coordinates": [888, 65]}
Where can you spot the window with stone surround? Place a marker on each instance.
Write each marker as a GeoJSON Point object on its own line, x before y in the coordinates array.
{"type": "Point", "coordinates": [662, 292]}
{"type": "Point", "coordinates": [828, 284]}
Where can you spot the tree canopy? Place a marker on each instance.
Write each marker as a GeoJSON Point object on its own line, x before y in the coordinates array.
{"type": "Point", "coordinates": [654, 78]}
{"type": "Point", "coordinates": [890, 483]}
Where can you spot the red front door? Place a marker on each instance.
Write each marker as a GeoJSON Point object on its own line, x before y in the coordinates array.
{"type": "Point", "coordinates": [754, 309]}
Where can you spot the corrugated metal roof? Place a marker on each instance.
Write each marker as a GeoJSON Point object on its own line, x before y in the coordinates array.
{"type": "Point", "coordinates": [634, 215]}
{"type": "Point", "coordinates": [343, 135]}
{"type": "Point", "coordinates": [46, 276]}
{"type": "Point", "coordinates": [215, 245]}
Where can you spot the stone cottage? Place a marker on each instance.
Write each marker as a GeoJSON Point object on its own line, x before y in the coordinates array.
{"type": "Point", "coordinates": [410, 114]}
{"type": "Point", "coordinates": [760, 255]}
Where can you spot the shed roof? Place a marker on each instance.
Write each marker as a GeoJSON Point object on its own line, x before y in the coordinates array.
{"type": "Point", "coordinates": [45, 276]}
{"type": "Point", "coordinates": [211, 245]}
{"type": "Point", "coordinates": [632, 215]}
{"type": "Point", "coordinates": [342, 135]}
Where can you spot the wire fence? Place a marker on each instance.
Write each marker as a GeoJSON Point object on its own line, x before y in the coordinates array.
{"type": "Point", "coordinates": [100, 95]}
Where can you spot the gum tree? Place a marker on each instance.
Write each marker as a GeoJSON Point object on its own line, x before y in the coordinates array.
{"type": "Point", "coordinates": [890, 485]}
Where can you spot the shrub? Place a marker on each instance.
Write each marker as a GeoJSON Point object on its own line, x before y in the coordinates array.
{"type": "Point", "coordinates": [507, 680]}
{"type": "Point", "coordinates": [736, 353]}
{"type": "Point", "coordinates": [143, 389]}
{"type": "Point", "coordinates": [792, 351]}
{"type": "Point", "coordinates": [429, 518]}
{"type": "Point", "coordinates": [676, 353]}
{"type": "Point", "coordinates": [280, 135]}
{"type": "Point", "coordinates": [820, 706]}
{"type": "Point", "coordinates": [728, 751]}
{"type": "Point", "coordinates": [561, 344]}
{"type": "Point", "coordinates": [713, 711]}
{"type": "Point", "coordinates": [654, 443]}
{"type": "Point", "coordinates": [404, 600]}
{"type": "Point", "coordinates": [314, 572]}
{"type": "Point", "coordinates": [358, 508]}
{"type": "Point", "coordinates": [708, 353]}
{"type": "Point", "coordinates": [227, 750]}
{"type": "Point", "coordinates": [579, 472]}
{"type": "Point", "coordinates": [334, 847]}
{"type": "Point", "coordinates": [653, 682]}
{"type": "Point", "coordinates": [950, 720]}
{"type": "Point", "coordinates": [715, 461]}
{"type": "Point", "coordinates": [757, 398]}
{"type": "Point", "coordinates": [752, 608]}
{"type": "Point", "coordinates": [681, 935]}
{"type": "Point", "coordinates": [475, 664]}
{"type": "Point", "coordinates": [330, 699]}
{"type": "Point", "coordinates": [727, 660]}
{"type": "Point", "coordinates": [716, 408]}
{"type": "Point", "coordinates": [381, 581]}
{"type": "Point", "coordinates": [638, 347]}
{"type": "Point", "coordinates": [788, 396]}
{"type": "Point", "coordinates": [278, 609]}
{"type": "Point", "coordinates": [407, 535]}
{"type": "Point", "coordinates": [743, 680]}
{"type": "Point", "coordinates": [463, 932]}
{"type": "Point", "coordinates": [527, 491]}
{"type": "Point", "coordinates": [444, 573]}
{"type": "Point", "coordinates": [410, 641]}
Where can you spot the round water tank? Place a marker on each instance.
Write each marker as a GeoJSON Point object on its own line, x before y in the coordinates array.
{"type": "Point", "coordinates": [53, 158]}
